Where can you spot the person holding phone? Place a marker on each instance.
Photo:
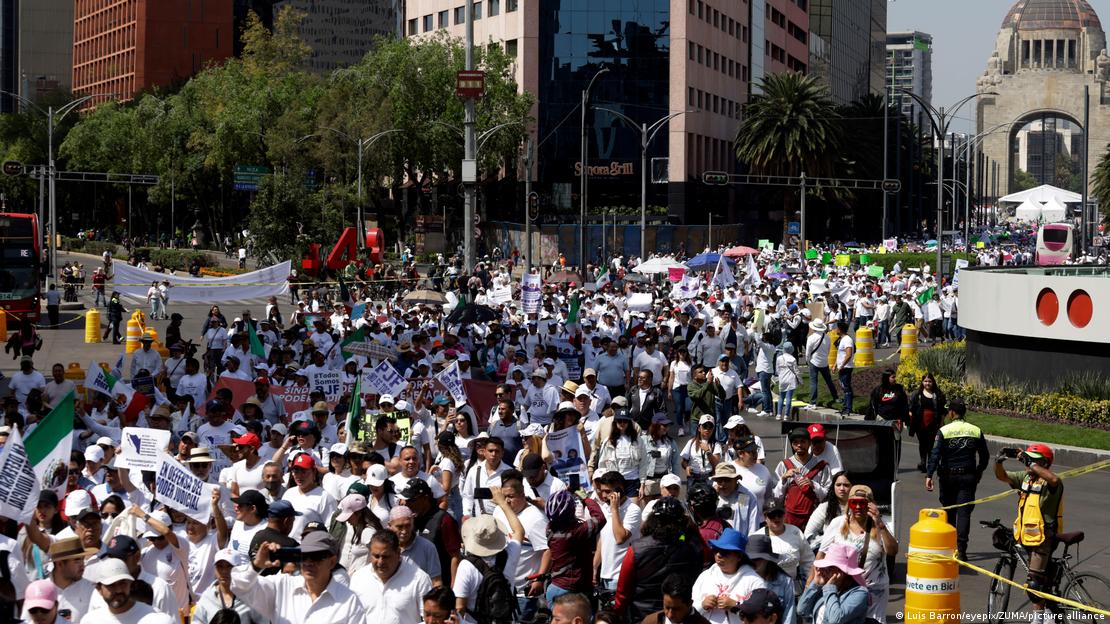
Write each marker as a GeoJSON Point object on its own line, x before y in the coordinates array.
{"type": "Point", "coordinates": [837, 593]}
{"type": "Point", "coordinates": [862, 529]}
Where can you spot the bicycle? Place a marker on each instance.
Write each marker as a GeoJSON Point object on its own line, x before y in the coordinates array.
{"type": "Point", "coordinates": [1081, 587]}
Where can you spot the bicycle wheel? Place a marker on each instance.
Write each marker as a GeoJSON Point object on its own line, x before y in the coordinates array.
{"type": "Point", "coordinates": [999, 596]}
{"type": "Point", "coordinates": [1088, 588]}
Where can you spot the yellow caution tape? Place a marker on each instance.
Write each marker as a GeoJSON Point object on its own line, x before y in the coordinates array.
{"type": "Point", "coordinates": [1074, 472]}
{"type": "Point", "coordinates": [935, 558]}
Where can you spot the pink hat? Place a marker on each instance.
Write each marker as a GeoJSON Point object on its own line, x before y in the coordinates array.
{"type": "Point", "coordinates": [40, 595]}
{"type": "Point", "coordinates": [350, 505]}
{"type": "Point", "coordinates": [400, 512]}
{"type": "Point", "coordinates": [844, 557]}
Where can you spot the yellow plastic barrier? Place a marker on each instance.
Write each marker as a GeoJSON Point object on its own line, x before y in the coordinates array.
{"type": "Point", "coordinates": [134, 333]}
{"type": "Point", "coordinates": [932, 586]}
{"type": "Point", "coordinates": [76, 374]}
{"type": "Point", "coordinates": [865, 347]}
{"type": "Point", "coordinates": [909, 340]}
{"type": "Point", "coordinates": [3, 326]}
{"type": "Point", "coordinates": [834, 337]}
{"type": "Point", "coordinates": [92, 326]}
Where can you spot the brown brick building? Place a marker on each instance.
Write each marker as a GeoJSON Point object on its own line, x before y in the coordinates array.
{"type": "Point", "coordinates": [126, 46]}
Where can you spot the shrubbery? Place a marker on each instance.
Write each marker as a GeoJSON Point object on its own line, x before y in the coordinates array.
{"type": "Point", "coordinates": [1057, 405]}
{"type": "Point", "coordinates": [176, 259]}
{"type": "Point", "coordinates": [93, 247]}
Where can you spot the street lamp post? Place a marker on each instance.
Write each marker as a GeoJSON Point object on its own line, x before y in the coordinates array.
{"type": "Point", "coordinates": [361, 144]}
{"type": "Point", "coordinates": [647, 134]}
{"type": "Point", "coordinates": [940, 119]}
{"type": "Point", "coordinates": [585, 173]}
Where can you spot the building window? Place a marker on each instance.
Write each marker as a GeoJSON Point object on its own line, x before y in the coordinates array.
{"type": "Point", "coordinates": [443, 20]}
{"type": "Point", "coordinates": [412, 27]}
{"type": "Point", "coordinates": [428, 23]}
{"type": "Point", "coordinates": [690, 96]}
{"type": "Point", "coordinates": [494, 7]}
{"type": "Point", "coordinates": [700, 98]}
{"type": "Point", "coordinates": [510, 6]}
{"type": "Point", "coordinates": [477, 11]}
{"type": "Point", "coordinates": [701, 9]}
{"type": "Point", "coordinates": [690, 7]}
{"type": "Point", "coordinates": [716, 18]}
{"type": "Point", "coordinates": [692, 49]}
{"type": "Point", "coordinates": [460, 15]}
{"type": "Point", "coordinates": [511, 48]}
{"type": "Point", "coordinates": [700, 57]}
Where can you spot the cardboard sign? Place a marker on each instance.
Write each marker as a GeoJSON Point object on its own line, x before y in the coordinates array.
{"type": "Point", "coordinates": [452, 381]}
{"type": "Point", "coordinates": [330, 382]}
{"type": "Point", "coordinates": [811, 254]}
{"type": "Point", "coordinates": [142, 448]}
{"type": "Point", "coordinates": [177, 487]}
{"type": "Point", "coordinates": [383, 379]}
{"type": "Point", "coordinates": [875, 271]}
{"type": "Point", "coordinates": [530, 293]}
{"type": "Point", "coordinates": [843, 260]}
{"type": "Point", "coordinates": [499, 296]}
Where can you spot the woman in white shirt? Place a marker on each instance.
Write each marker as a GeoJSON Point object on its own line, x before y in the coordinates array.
{"type": "Point", "coordinates": [677, 378]}
{"type": "Point", "coordinates": [862, 528]}
{"type": "Point", "coordinates": [834, 505]}
{"type": "Point", "coordinates": [754, 476]}
{"type": "Point", "coordinates": [795, 555]}
{"type": "Point", "coordinates": [447, 471]}
{"type": "Point", "coordinates": [625, 452]}
{"type": "Point", "coordinates": [360, 525]}
{"type": "Point", "coordinates": [465, 433]}
{"type": "Point", "coordinates": [701, 453]}
{"type": "Point", "coordinates": [786, 367]}
{"type": "Point", "coordinates": [728, 581]}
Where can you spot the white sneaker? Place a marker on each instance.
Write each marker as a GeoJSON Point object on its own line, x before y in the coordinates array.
{"type": "Point", "coordinates": [780, 417]}
{"type": "Point", "coordinates": [751, 410]}
{"type": "Point", "coordinates": [681, 431]}
{"type": "Point", "coordinates": [762, 414]}
{"type": "Point", "coordinates": [811, 406]}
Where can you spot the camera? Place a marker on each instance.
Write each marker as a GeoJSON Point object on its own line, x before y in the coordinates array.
{"type": "Point", "coordinates": [287, 554]}
{"type": "Point", "coordinates": [1012, 453]}
{"type": "Point", "coordinates": [482, 493]}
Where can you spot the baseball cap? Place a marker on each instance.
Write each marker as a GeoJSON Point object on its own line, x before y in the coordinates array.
{"type": "Point", "coordinates": [214, 404]}
{"type": "Point", "coordinates": [760, 602]}
{"type": "Point", "coordinates": [734, 421]}
{"type": "Point", "coordinates": [415, 488]}
{"type": "Point", "coordinates": [318, 542]}
{"type": "Point", "coordinates": [262, 379]}
{"type": "Point", "coordinates": [773, 506]}
{"type": "Point", "coordinates": [249, 439]}
{"type": "Point", "coordinates": [40, 595]}
{"type": "Point", "coordinates": [228, 556]}
{"type": "Point", "coordinates": [800, 433]}
{"type": "Point", "coordinates": [254, 498]}
{"type": "Point", "coordinates": [110, 571]}
{"type": "Point", "coordinates": [160, 516]}
{"type": "Point", "coordinates": [670, 479]}
{"type": "Point", "coordinates": [376, 475]}
{"type": "Point", "coordinates": [105, 441]}
{"type": "Point", "coordinates": [532, 465]}
{"type": "Point", "coordinates": [338, 449]}
{"type": "Point", "coordinates": [386, 398]}
{"type": "Point", "coordinates": [816, 431]}
{"type": "Point", "coordinates": [589, 372]}
{"type": "Point", "coordinates": [280, 429]}
{"type": "Point", "coordinates": [539, 372]}
{"type": "Point", "coordinates": [304, 461]}
{"type": "Point", "coordinates": [349, 506]}
{"type": "Point", "coordinates": [282, 509]}
{"type": "Point", "coordinates": [94, 453]}
{"type": "Point", "coordinates": [120, 547]}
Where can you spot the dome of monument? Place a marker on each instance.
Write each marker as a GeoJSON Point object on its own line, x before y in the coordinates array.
{"type": "Point", "coordinates": [1051, 15]}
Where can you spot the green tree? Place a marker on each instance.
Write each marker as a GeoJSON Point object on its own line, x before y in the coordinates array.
{"type": "Point", "coordinates": [1023, 180]}
{"type": "Point", "coordinates": [286, 215]}
{"type": "Point", "coordinates": [791, 127]}
{"type": "Point", "coordinates": [1100, 183]}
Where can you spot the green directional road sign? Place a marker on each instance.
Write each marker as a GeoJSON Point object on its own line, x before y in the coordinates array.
{"type": "Point", "coordinates": [247, 177]}
{"type": "Point", "coordinates": [715, 178]}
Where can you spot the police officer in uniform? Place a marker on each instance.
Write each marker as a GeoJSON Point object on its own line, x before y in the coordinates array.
{"type": "Point", "coordinates": [959, 458]}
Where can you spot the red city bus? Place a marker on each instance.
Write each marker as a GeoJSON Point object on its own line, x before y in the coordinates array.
{"type": "Point", "coordinates": [20, 265]}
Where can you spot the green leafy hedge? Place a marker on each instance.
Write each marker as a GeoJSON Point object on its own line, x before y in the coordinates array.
{"type": "Point", "coordinates": [177, 259]}
{"type": "Point", "coordinates": [93, 247]}
{"type": "Point", "coordinates": [1052, 406]}
{"type": "Point", "coordinates": [908, 260]}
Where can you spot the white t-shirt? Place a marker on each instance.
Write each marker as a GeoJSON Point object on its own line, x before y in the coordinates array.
{"type": "Point", "coordinates": [467, 578]}
{"type": "Point", "coordinates": [241, 536]}
{"type": "Point", "coordinates": [166, 564]}
{"type": "Point", "coordinates": [843, 358]}
{"type": "Point", "coordinates": [680, 373]}
{"type": "Point", "coordinates": [792, 549]}
{"type": "Point", "coordinates": [612, 553]}
{"type": "Point", "coordinates": [534, 544]}
{"type": "Point", "coordinates": [315, 500]}
{"type": "Point", "coordinates": [248, 478]}
{"type": "Point", "coordinates": [195, 386]}
{"type": "Point", "coordinates": [23, 383]}
{"type": "Point", "coordinates": [139, 613]}
{"type": "Point", "coordinates": [730, 381]}
{"type": "Point", "coordinates": [756, 479]}
{"type": "Point", "coordinates": [654, 362]}
{"type": "Point", "coordinates": [714, 582]}
{"type": "Point", "coordinates": [817, 348]}
{"type": "Point", "coordinates": [202, 563]}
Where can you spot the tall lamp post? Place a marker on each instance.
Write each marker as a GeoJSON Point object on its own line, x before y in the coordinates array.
{"type": "Point", "coordinates": [361, 144]}
{"type": "Point", "coordinates": [940, 119]}
{"type": "Point", "coordinates": [647, 134]}
{"type": "Point", "coordinates": [585, 174]}
{"type": "Point", "coordinates": [54, 115]}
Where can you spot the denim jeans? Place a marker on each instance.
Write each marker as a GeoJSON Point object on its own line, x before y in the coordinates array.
{"type": "Point", "coordinates": [765, 388]}
{"type": "Point", "coordinates": [554, 591]}
{"type": "Point", "coordinates": [681, 410]}
{"type": "Point", "coordinates": [884, 333]}
{"type": "Point", "coordinates": [824, 372]}
{"type": "Point", "coordinates": [723, 413]}
{"type": "Point", "coordinates": [527, 609]}
{"type": "Point", "coordinates": [100, 296]}
{"type": "Point", "coordinates": [786, 397]}
{"type": "Point", "coordinates": [846, 387]}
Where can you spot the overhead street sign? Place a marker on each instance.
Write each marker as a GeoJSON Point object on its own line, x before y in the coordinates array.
{"type": "Point", "coordinates": [247, 177]}
{"type": "Point", "coordinates": [470, 84]}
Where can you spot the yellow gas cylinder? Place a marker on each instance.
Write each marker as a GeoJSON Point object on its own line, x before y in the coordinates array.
{"type": "Point", "coordinates": [134, 333]}
{"type": "Point", "coordinates": [865, 347]}
{"type": "Point", "coordinates": [92, 326]}
{"type": "Point", "coordinates": [834, 336]}
{"type": "Point", "coordinates": [76, 374]}
{"type": "Point", "coordinates": [3, 326]}
{"type": "Point", "coordinates": [909, 340]}
{"type": "Point", "coordinates": [932, 587]}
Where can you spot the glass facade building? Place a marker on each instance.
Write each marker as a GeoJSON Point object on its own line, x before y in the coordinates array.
{"type": "Point", "coordinates": [851, 53]}
{"type": "Point", "coordinates": [576, 39]}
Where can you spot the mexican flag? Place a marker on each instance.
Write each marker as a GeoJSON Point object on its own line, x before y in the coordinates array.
{"type": "Point", "coordinates": [130, 402]}
{"type": "Point", "coordinates": [926, 295]}
{"type": "Point", "coordinates": [257, 349]}
{"type": "Point", "coordinates": [354, 412]}
{"type": "Point", "coordinates": [603, 280]}
{"type": "Point", "coordinates": [48, 446]}
{"type": "Point", "coordinates": [572, 314]}
{"type": "Point", "coordinates": [359, 335]}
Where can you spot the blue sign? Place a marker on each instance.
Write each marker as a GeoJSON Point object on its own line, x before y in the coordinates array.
{"type": "Point", "coordinates": [794, 228]}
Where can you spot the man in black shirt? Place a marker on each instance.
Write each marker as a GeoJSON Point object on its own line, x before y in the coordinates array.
{"type": "Point", "coordinates": [279, 524]}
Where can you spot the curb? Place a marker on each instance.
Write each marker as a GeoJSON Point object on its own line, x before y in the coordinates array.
{"type": "Point", "coordinates": [1071, 456]}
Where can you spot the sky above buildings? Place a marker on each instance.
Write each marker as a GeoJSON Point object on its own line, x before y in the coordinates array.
{"type": "Point", "coordinates": [964, 33]}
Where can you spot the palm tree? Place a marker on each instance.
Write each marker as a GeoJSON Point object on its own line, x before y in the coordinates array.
{"type": "Point", "coordinates": [792, 127]}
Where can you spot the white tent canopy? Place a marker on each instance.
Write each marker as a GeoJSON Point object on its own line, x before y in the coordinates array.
{"type": "Point", "coordinates": [657, 265]}
{"type": "Point", "coordinates": [1053, 211]}
{"type": "Point", "coordinates": [1029, 210]}
{"type": "Point", "coordinates": [1043, 194]}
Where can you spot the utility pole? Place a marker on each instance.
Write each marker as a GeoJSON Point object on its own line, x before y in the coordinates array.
{"type": "Point", "coordinates": [470, 163]}
{"type": "Point", "coordinates": [802, 216]}
{"type": "Point", "coordinates": [1086, 143]}
{"type": "Point", "coordinates": [529, 154]}
{"type": "Point", "coordinates": [582, 182]}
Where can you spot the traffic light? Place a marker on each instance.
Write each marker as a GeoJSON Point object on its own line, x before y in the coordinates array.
{"type": "Point", "coordinates": [533, 205]}
{"type": "Point", "coordinates": [715, 178]}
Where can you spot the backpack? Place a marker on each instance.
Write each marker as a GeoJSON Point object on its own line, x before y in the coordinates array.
{"type": "Point", "coordinates": [798, 501]}
{"type": "Point", "coordinates": [496, 600]}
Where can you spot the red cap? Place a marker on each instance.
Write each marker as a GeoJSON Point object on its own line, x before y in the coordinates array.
{"type": "Point", "coordinates": [248, 439]}
{"type": "Point", "coordinates": [816, 430]}
{"type": "Point", "coordinates": [262, 380]}
{"type": "Point", "coordinates": [305, 460]}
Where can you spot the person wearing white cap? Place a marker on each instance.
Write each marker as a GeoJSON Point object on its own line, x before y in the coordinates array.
{"type": "Point", "coordinates": [94, 460]}
{"type": "Point", "coordinates": [218, 596]}
{"type": "Point", "coordinates": [165, 555]}
{"type": "Point", "coordinates": [542, 399]}
{"type": "Point", "coordinates": [118, 604]}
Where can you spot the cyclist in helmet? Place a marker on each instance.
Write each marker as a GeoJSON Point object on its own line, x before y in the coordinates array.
{"type": "Point", "coordinates": [669, 543]}
{"type": "Point", "coordinates": [1039, 514]}
{"type": "Point", "coordinates": [572, 530]}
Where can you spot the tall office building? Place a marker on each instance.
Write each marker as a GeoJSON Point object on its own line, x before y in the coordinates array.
{"type": "Point", "coordinates": [662, 57]}
{"type": "Point", "coordinates": [341, 32]}
{"type": "Point", "coordinates": [909, 67]}
{"type": "Point", "coordinates": [36, 48]}
{"type": "Point", "coordinates": [126, 46]}
{"type": "Point", "coordinates": [848, 46]}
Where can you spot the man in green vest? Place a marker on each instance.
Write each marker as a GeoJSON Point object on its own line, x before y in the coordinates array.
{"type": "Point", "coordinates": [959, 458]}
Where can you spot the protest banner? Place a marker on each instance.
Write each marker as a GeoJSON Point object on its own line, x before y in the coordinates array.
{"type": "Point", "coordinates": [141, 448]}
{"type": "Point", "coordinates": [330, 382]}
{"type": "Point", "coordinates": [404, 426]}
{"type": "Point", "coordinates": [567, 456]}
{"type": "Point", "coordinates": [687, 288]}
{"type": "Point", "coordinates": [177, 488]}
{"type": "Point", "coordinates": [639, 302]}
{"type": "Point", "coordinates": [19, 487]}
{"type": "Point", "coordinates": [569, 356]}
{"type": "Point", "coordinates": [294, 398]}
{"type": "Point", "coordinates": [383, 379]}
{"type": "Point", "coordinates": [675, 274]}
{"type": "Point", "coordinates": [961, 263]}
{"type": "Point", "coordinates": [452, 381]}
{"type": "Point", "coordinates": [530, 293]}
{"type": "Point", "coordinates": [875, 270]}
{"type": "Point", "coordinates": [890, 245]}
{"type": "Point", "coordinates": [500, 295]}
